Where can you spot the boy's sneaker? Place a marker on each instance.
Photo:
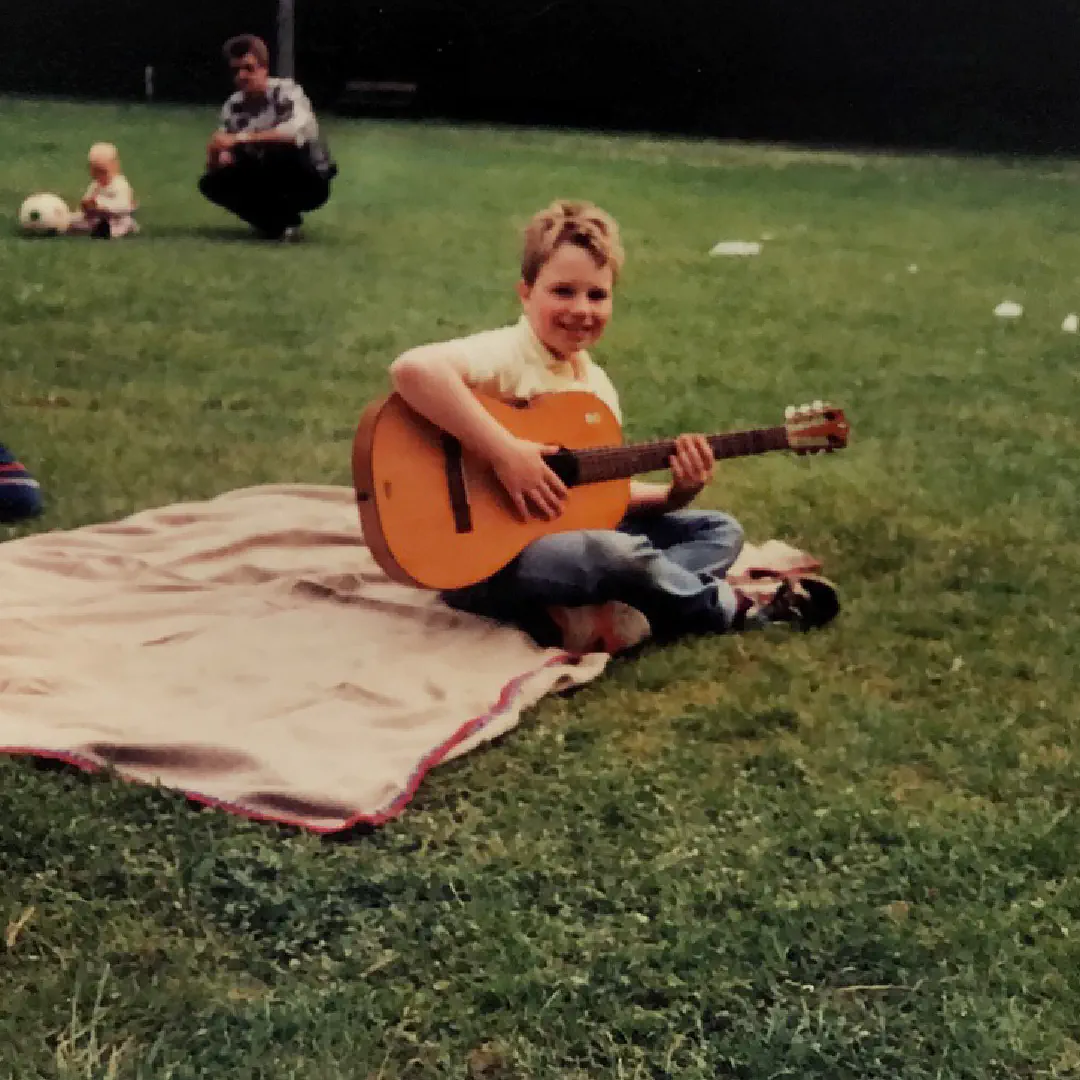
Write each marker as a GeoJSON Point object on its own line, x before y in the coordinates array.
{"type": "Point", "coordinates": [613, 627]}
{"type": "Point", "coordinates": [806, 602]}
{"type": "Point", "coordinates": [102, 229]}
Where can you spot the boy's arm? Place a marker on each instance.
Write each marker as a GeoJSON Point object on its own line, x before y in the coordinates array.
{"type": "Point", "coordinates": [431, 379]}
{"type": "Point", "coordinates": [691, 469]}
{"type": "Point", "coordinates": [649, 498]}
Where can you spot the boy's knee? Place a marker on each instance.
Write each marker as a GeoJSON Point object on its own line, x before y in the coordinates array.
{"type": "Point", "coordinates": [731, 529]}
{"type": "Point", "coordinates": [613, 548]}
{"type": "Point", "coordinates": [722, 527]}
{"type": "Point", "coordinates": [709, 525]}
{"type": "Point", "coordinates": [581, 556]}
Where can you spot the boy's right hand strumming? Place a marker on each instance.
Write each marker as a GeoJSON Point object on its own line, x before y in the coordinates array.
{"type": "Point", "coordinates": [431, 379]}
{"type": "Point", "coordinates": [533, 487]}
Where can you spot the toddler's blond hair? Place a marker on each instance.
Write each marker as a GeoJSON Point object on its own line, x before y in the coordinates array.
{"type": "Point", "coordinates": [565, 221]}
{"type": "Point", "coordinates": [103, 153]}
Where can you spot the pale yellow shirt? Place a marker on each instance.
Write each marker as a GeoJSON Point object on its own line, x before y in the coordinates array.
{"type": "Point", "coordinates": [511, 362]}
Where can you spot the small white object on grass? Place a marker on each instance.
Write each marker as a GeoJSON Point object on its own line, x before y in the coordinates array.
{"type": "Point", "coordinates": [913, 268]}
{"type": "Point", "coordinates": [1071, 325]}
{"type": "Point", "coordinates": [1008, 309]}
{"type": "Point", "coordinates": [736, 247]}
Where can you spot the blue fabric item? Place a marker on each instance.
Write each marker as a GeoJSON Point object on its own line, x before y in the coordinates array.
{"type": "Point", "coordinates": [20, 493]}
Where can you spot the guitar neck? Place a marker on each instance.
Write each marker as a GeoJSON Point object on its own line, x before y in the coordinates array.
{"type": "Point", "coordinates": [618, 462]}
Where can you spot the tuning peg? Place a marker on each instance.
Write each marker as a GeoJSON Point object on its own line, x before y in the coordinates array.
{"type": "Point", "coordinates": [789, 412]}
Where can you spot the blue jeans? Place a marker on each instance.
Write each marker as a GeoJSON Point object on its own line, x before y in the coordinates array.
{"type": "Point", "coordinates": [668, 566]}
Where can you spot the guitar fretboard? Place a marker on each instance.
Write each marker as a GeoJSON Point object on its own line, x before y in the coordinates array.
{"type": "Point", "coordinates": [618, 462]}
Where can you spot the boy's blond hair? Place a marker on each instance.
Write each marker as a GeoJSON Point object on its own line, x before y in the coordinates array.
{"type": "Point", "coordinates": [582, 224]}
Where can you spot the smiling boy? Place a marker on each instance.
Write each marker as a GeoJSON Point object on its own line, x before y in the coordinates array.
{"type": "Point", "coordinates": [661, 572]}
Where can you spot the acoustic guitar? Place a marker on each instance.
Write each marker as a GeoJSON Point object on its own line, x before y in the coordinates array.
{"type": "Point", "coordinates": [436, 516]}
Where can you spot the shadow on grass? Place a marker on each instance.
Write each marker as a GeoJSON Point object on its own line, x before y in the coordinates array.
{"type": "Point", "coordinates": [105, 775]}
{"type": "Point", "coordinates": [236, 234]}
{"type": "Point", "coordinates": [220, 234]}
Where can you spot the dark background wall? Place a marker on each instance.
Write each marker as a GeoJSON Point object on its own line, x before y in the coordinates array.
{"type": "Point", "coordinates": [970, 74]}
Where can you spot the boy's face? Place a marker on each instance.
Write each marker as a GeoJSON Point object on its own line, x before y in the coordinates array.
{"type": "Point", "coordinates": [570, 303]}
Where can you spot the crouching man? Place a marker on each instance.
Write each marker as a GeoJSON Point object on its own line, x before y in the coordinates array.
{"type": "Point", "coordinates": [266, 163]}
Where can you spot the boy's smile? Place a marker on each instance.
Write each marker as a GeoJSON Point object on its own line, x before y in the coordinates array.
{"type": "Point", "coordinates": [570, 303]}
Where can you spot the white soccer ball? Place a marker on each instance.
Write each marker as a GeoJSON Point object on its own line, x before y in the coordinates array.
{"type": "Point", "coordinates": [45, 214]}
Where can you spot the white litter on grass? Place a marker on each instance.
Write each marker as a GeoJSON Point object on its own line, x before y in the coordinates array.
{"type": "Point", "coordinates": [1071, 325]}
{"type": "Point", "coordinates": [736, 247]}
{"type": "Point", "coordinates": [913, 269]}
{"type": "Point", "coordinates": [1008, 309]}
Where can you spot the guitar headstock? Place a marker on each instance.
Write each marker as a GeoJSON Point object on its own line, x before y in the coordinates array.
{"type": "Point", "coordinates": [816, 427]}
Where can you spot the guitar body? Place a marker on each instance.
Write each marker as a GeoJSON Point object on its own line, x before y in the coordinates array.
{"type": "Point", "coordinates": [436, 516]}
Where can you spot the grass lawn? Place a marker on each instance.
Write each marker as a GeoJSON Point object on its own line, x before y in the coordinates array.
{"type": "Point", "coordinates": [848, 854]}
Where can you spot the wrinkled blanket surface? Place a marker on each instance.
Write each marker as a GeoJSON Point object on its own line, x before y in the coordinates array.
{"type": "Point", "coordinates": [247, 651]}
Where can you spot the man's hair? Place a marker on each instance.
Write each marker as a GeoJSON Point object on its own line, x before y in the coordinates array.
{"type": "Point", "coordinates": [566, 222]}
{"type": "Point", "coordinates": [236, 48]}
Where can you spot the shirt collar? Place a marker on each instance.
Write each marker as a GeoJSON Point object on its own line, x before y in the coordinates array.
{"type": "Point", "coordinates": [538, 353]}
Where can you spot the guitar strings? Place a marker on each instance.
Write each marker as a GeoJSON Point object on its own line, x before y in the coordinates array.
{"type": "Point", "coordinates": [740, 441]}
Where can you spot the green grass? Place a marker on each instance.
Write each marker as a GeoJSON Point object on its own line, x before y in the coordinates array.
{"type": "Point", "coordinates": [848, 854]}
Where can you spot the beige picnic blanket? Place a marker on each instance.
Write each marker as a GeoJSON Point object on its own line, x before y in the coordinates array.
{"type": "Point", "coordinates": [247, 651]}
